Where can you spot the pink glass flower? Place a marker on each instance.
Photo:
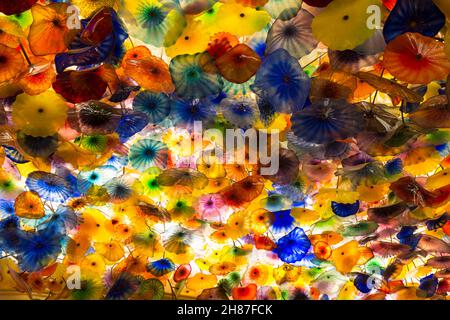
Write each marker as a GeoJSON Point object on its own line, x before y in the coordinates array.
{"type": "Point", "coordinates": [210, 206]}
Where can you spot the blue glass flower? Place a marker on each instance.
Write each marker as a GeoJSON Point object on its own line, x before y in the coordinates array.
{"type": "Point", "coordinates": [130, 124]}
{"type": "Point", "coordinates": [49, 186]}
{"type": "Point", "coordinates": [155, 105]}
{"type": "Point", "coordinates": [14, 155]}
{"type": "Point", "coordinates": [123, 287]}
{"type": "Point", "coordinates": [117, 161]}
{"type": "Point", "coordinates": [11, 222]}
{"type": "Point", "coordinates": [363, 282]}
{"type": "Point", "coordinates": [148, 153]}
{"type": "Point", "coordinates": [406, 232]}
{"type": "Point", "coordinates": [438, 222]}
{"type": "Point", "coordinates": [242, 113]}
{"type": "Point", "coordinates": [421, 16]}
{"type": "Point", "coordinates": [65, 218]}
{"type": "Point", "coordinates": [186, 112]}
{"type": "Point", "coordinates": [119, 188]}
{"type": "Point", "coordinates": [98, 176]}
{"type": "Point", "coordinates": [293, 247]}
{"type": "Point", "coordinates": [326, 121]}
{"type": "Point", "coordinates": [345, 209]}
{"type": "Point", "coordinates": [294, 193]}
{"type": "Point", "coordinates": [281, 81]}
{"type": "Point", "coordinates": [394, 166]}
{"type": "Point", "coordinates": [294, 35]}
{"type": "Point", "coordinates": [37, 250]}
{"type": "Point", "coordinates": [194, 77]}
{"type": "Point", "coordinates": [87, 55]}
{"type": "Point", "coordinates": [160, 267]}
{"type": "Point", "coordinates": [6, 207]}
{"type": "Point", "coordinates": [283, 221]}
{"type": "Point", "coordinates": [267, 111]}
{"type": "Point", "coordinates": [70, 179]}
{"type": "Point", "coordinates": [407, 236]}
{"type": "Point", "coordinates": [258, 43]}
{"type": "Point", "coordinates": [428, 286]}
{"type": "Point", "coordinates": [10, 234]}
{"type": "Point", "coordinates": [410, 107]}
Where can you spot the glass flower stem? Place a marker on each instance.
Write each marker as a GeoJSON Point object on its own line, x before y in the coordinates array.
{"type": "Point", "coordinates": [314, 60]}
{"type": "Point", "coordinates": [131, 41]}
{"type": "Point", "coordinates": [25, 54]}
{"type": "Point", "coordinates": [376, 92]}
{"type": "Point", "coordinates": [171, 288]}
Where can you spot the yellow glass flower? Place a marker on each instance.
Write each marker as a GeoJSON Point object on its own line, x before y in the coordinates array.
{"type": "Point", "coordinates": [222, 268]}
{"type": "Point", "coordinates": [348, 291]}
{"type": "Point", "coordinates": [420, 161]}
{"type": "Point", "coordinates": [237, 225]}
{"type": "Point", "coordinates": [343, 24]}
{"type": "Point", "coordinates": [340, 196]}
{"type": "Point", "coordinates": [93, 263]}
{"type": "Point", "coordinates": [87, 7]}
{"type": "Point", "coordinates": [239, 20]}
{"type": "Point", "coordinates": [111, 251]}
{"type": "Point", "coordinates": [201, 281]}
{"type": "Point", "coordinates": [41, 115]}
{"type": "Point", "coordinates": [259, 273]}
{"type": "Point", "coordinates": [202, 264]}
{"type": "Point", "coordinates": [95, 226]}
{"type": "Point", "coordinates": [194, 39]}
{"type": "Point", "coordinates": [304, 216]}
{"type": "Point", "coordinates": [346, 256]}
{"type": "Point", "coordinates": [6, 280]}
{"type": "Point", "coordinates": [212, 168]}
{"type": "Point", "coordinates": [260, 220]}
{"type": "Point", "coordinates": [371, 193]}
{"type": "Point", "coordinates": [286, 273]}
{"type": "Point", "coordinates": [150, 185]}
{"type": "Point", "coordinates": [438, 180]}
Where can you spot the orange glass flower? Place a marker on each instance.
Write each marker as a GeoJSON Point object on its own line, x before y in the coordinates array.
{"type": "Point", "coordinates": [182, 272]}
{"type": "Point", "coordinates": [245, 293]}
{"type": "Point", "coordinates": [11, 63]}
{"type": "Point", "coordinates": [28, 205]}
{"type": "Point", "coordinates": [50, 23]}
{"type": "Point", "coordinates": [34, 83]}
{"type": "Point", "coordinates": [136, 53]}
{"type": "Point", "coordinates": [414, 58]}
{"type": "Point", "coordinates": [220, 43]}
{"type": "Point", "coordinates": [239, 64]}
{"type": "Point", "coordinates": [151, 73]}
{"type": "Point", "coordinates": [322, 250]}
